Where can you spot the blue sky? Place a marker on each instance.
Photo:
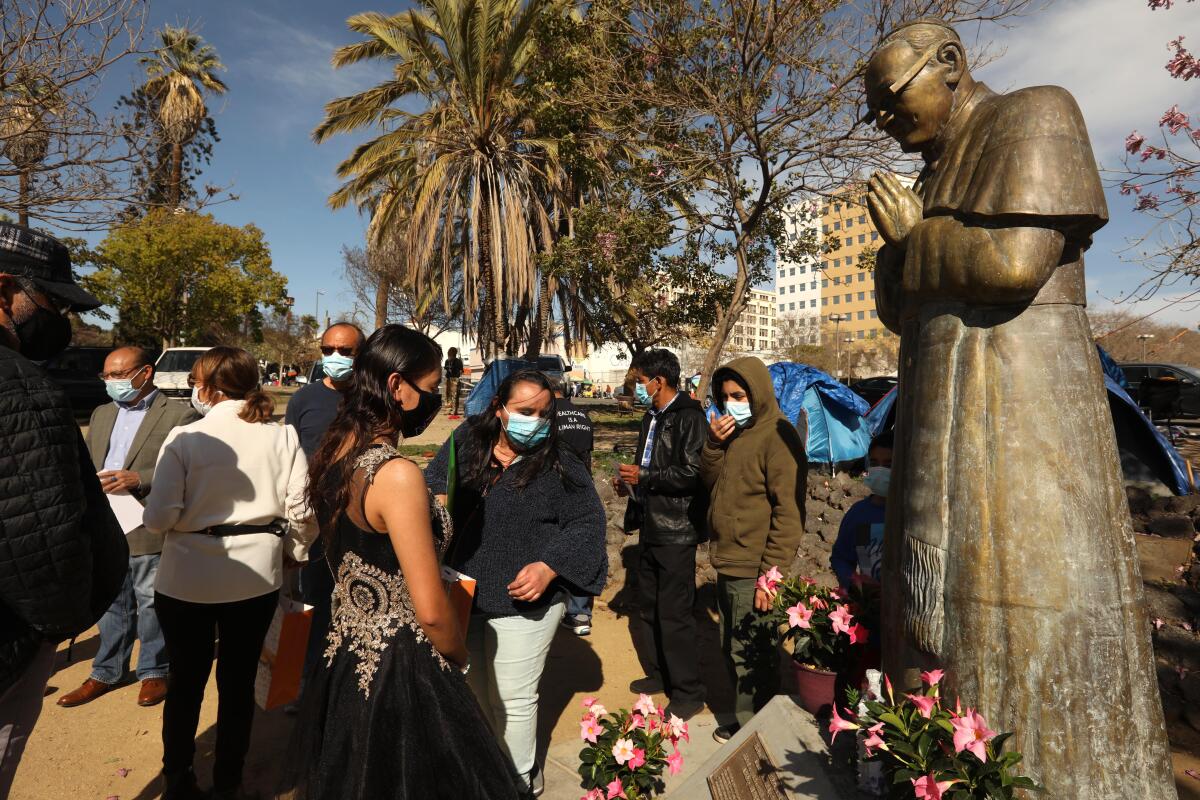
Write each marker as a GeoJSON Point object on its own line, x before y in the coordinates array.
{"type": "Point", "coordinates": [1109, 53]}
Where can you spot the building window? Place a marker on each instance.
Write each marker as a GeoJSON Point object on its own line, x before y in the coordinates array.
{"type": "Point", "coordinates": [862, 334]}
{"type": "Point", "coordinates": [793, 272]}
{"type": "Point", "coordinates": [792, 288]}
{"type": "Point", "coordinates": [825, 283]}
{"type": "Point", "coordinates": [812, 303]}
{"type": "Point", "coordinates": [836, 300]}
{"type": "Point", "coordinates": [837, 262]}
{"type": "Point", "coordinates": [872, 294]}
{"type": "Point", "coordinates": [849, 296]}
{"type": "Point", "coordinates": [871, 334]}
{"type": "Point", "coordinates": [837, 226]}
{"type": "Point", "coordinates": [862, 238]}
{"type": "Point", "coordinates": [783, 290]}
{"type": "Point", "coordinates": [792, 307]}
{"type": "Point", "coordinates": [874, 314]}
{"type": "Point", "coordinates": [849, 241]}
{"type": "Point", "coordinates": [762, 345]}
{"type": "Point", "coordinates": [849, 261]}
{"type": "Point", "coordinates": [862, 276]}
{"type": "Point", "coordinates": [824, 229]}
{"type": "Point", "coordinates": [824, 265]}
{"type": "Point", "coordinates": [824, 301]}
{"type": "Point", "coordinates": [861, 314]}
{"type": "Point", "coordinates": [837, 206]}
{"type": "Point", "coordinates": [836, 280]}
{"type": "Point", "coordinates": [874, 235]}
{"type": "Point", "coordinates": [862, 219]}
{"type": "Point", "coordinates": [862, 295]}
{"type": "Point", "coordinates": [803, 269]}
{"type": "Point", "coordinates": [850, 222]}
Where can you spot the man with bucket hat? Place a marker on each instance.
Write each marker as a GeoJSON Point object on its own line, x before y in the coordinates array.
{"type": "Point", "coordinates": [63, 556]}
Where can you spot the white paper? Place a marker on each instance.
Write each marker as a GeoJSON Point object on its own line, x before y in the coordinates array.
{"type": "Point", "coordinates": [127, 509]}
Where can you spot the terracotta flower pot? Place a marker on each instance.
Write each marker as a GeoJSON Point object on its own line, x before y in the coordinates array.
{"type": "Point", "coordinates": [814, 687]}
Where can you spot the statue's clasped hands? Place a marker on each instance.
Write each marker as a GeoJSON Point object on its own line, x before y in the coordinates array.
{"type": "Point", "coordinates": [895, 209]}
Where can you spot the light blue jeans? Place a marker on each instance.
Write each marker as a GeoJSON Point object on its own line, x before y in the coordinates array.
{"type": "Point", "coordinates": [508, 655]}
{"type": "Point", "coordinates": [131, 617]}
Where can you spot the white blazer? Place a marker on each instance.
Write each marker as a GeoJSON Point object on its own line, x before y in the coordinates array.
{"type": "Point", "coordinates": [221, 470]}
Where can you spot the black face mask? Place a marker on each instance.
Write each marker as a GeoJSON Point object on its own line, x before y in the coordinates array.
{"type": "Point", "coordinates": [415, 420]}
{"type": "Point", "coordinates": [44, 335]}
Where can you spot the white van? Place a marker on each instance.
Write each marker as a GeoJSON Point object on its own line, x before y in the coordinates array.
{"type": "Point", "coordinates": [172, 369]}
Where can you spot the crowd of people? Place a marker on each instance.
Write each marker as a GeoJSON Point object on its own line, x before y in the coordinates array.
{"type": "Point", "coordinates": [229, 501]}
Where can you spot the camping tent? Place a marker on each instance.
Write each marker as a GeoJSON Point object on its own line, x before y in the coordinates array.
{"type": "Point", "coordinates": [494, 375]}
{"type": "Point", "coordinates": [1146, 455]}
{"type": "Point", "coordinates": [837, 430]}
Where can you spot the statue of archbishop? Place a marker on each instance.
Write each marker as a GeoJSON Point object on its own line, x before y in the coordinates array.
{"type": "Point", "coordinates": [1009, 555]}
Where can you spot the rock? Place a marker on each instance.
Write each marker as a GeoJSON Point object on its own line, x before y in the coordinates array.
{"type": "Point", "coordinates": [1171, 525]}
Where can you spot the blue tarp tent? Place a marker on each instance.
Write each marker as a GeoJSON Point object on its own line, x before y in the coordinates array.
{"type": "Point", "coordinates": [837, 430]}
{"type": "Point", "coordinates": [495, 373]}
{"type": "Point", "coordinates": [1146, 455]}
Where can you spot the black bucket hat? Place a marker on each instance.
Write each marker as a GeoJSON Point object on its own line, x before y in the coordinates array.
{"type": "Point", "coordinates": [45, 261]}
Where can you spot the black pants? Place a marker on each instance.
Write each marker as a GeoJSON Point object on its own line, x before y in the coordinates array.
{"type": "Point", "coordinates": [666, 593]}
{"type": "Point", "coordinates": [191, 631]}
{"type": "Point", "coordinates": [316, 586]}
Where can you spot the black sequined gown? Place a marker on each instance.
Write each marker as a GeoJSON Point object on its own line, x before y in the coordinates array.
{"type": "Point", "coordinates": [384, 715]}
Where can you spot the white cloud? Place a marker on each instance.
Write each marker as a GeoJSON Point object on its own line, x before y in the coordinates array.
{"type": "Point", "coordinates": [1108, 53]}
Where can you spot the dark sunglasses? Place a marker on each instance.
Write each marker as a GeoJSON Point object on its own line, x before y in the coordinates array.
{"type": "Point", "coordinates": [348, 352]}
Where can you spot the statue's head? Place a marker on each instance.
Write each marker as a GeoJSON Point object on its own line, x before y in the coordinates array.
{"type": "Point", "coordinates": [911, 81]}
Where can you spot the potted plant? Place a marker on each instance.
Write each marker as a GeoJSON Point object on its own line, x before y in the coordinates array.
{"type": "Point", "coordinates": [930, 752]}
{"type": "Point", "coordinates": [626, 751]}
{"type": "Point", "coordinates": [819, 626]}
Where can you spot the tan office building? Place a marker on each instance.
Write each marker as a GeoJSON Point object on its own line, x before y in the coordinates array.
{"type": "Point", "coordinates": [755, 331]}
{"type": "Point", "coordinates": [847, 288]}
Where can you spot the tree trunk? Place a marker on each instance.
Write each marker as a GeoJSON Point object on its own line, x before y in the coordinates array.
{"type": "Point", "coordinates": [568, 341]}
{"type": "Point", "coordinates": [741, 288]}
{"type": "Point", "coordinates": [541, 322]}
{"type": "Point", "coordinates": [493, 277]}
{"type": "Point", "coordinates": [382, 290]}
{"type": "Point", "coordinates": [23, 198]}
{"type": "Point", "coordinates": [175, 185]}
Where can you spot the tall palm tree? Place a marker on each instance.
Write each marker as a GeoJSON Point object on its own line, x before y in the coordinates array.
{"type": "Point", "coordinates": [182, 68]}
{"type": "Point", "coordinates": [25, 108]}
{"type": "Point", "coordinates": [473, 172]}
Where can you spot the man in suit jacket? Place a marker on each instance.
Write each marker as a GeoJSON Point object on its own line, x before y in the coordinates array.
{"type": "Point", "coordinates": [124, 438]}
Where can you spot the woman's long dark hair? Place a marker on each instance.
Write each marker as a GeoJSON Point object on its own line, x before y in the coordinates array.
{"type": "Point", "coordinates": [476, 465]}
{"type": "Point", "coordinates": [366, 413]}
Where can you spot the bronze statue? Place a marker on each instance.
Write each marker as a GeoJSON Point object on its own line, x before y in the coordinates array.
{"type": "Point", "coordinates": [1009, 557]}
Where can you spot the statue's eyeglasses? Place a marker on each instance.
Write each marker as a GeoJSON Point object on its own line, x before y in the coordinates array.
{"type": "Point", "coordinates": [883, 115]}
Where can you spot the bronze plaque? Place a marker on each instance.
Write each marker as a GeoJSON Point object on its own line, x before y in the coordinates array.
{"type": "Point", "coordinates": [748, 774]}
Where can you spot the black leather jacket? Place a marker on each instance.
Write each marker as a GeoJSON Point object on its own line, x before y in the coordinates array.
{"type": "Point", "coordinates": [670, 503]}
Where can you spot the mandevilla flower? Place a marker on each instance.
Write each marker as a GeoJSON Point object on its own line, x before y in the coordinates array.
{"type": "Point", "coordinates": [841, 619]}
{"type": "Point", "coordinates": [858, 634]}
{"type": "Point", "coordinates": [924, 704]}
{"type": "Point", "coordinates": [644, 705]}
{"type": "Point", "coordinates": [817, 603]}
{"type": "Point", "coordinates": [589, 729]}
{"type": "Point", "coordinates": [675, 762]}
{"type": "Point", "coordinates": [799, 616]}
{"type": "Point", "coordinates": [933, 677]}
{"type": "Point", "coordinates": [769, 581]}
{"type": "Point", "coordinates": [874, 741]}
{"type": "Point", "coordinates": [639, 758]}
{"type": "Point", "coordinates": [635, 721]}
{"type": "Point", "coordinates": [615, 789]}
{"type": "Point", "coordinates": [622, 751]}
{"type": "Point", "coordinates": [837, 724]}
{"type": "Point", "coordinates": [971, 733]}
{"type": "Point", "coordinates": [927, 787]}
{"type": "Point", "coordinates": [594, 794]}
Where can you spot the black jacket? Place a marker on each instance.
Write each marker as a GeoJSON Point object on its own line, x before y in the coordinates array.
{"type": "Point", "coordinates": [63, 556]}
{"type": "Point", "coordinates": [670, 503]}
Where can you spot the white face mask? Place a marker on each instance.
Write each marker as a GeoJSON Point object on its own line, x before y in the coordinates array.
{"type": "Point", "coordinates": [201, 407]}
{"type": "Point", "coordinates": [877, 480]}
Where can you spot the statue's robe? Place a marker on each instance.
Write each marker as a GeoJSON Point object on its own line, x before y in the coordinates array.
{"type": "Point", "coordinates": [1010, 558]}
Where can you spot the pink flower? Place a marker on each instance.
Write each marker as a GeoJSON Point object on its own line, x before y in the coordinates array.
{"type": "Point", "coordinates": [623, 750]}
{"type": "Point", "coordinates": [636, 721]}
{"type": "Point", "coordinates": [644, 705]}
{"type": "Point", "coordinates": [615, 789]}
{"type": "Point", "coordinates": [652, 724]}
{"type": "Point", "coordinates": [837, 724]}
{"type": "Point", "coordinates": [971, 733]}
{"type": "Point", "coordinates": [1174, 119]}
{"type": "Point", "coordinates": [589, 730]}
{"type": "Point", "coordinates": [924, 704]}
{"type": "Point", "coordinates": [841, 619]}
{"type": "Point", "coordinates": [874, 741]}
{"type": "Point", "coordinates": [799, 616]}
{"type": "Point", "coordinates": [639, 758]}
{"type": "Point", "coordinates": [1146, 202]}
{"type": "Point", "coordinates": [1134, 142]}
{"type": "Point", "coordinates": [858, 634]}
{"type": "Point", "coordinates": [887, 684]}
{"type": "Point", "coordinates": [675, 762]}
{"type": "Point", "coordinates": [933, 677]}
{"type": "Point", "coordinates": [1158, 623]}
{"type": "Point", "coordinates": [588, 702]}
{"type": "Point", "coordinates": [677, 726]}
{"type": "Point", "coordinates": [837, 593]}
{"type": "Point", "coordinates": [818, 603]}
{"type": "Point", "coordinates": [594, 794]}
{"type": "Point", "coordinates": [769, 581]}
{"type": "Point", "coordinates": [927, 787]}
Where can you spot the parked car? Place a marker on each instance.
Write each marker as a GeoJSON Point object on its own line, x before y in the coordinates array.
{"type": "Point", "coordinates": [874, 389]}
{"type": "Point", "coordinates": [77, 370]}
{"type": "Point", "coordinates": [555, 368]}
{"type": "Point", "coordinates": [172, 369]}
{"type": "Point", "coordinates": [1188, 378]}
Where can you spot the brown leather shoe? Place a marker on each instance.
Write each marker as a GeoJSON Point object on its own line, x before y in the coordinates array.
{"type": "Point", "coordinates": [90, 690]}
{"type": "Point", "coordinates": [153, 692]}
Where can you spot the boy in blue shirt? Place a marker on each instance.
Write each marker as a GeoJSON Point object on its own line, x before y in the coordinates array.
{"type": "Point", "coordinates": [859, 546]}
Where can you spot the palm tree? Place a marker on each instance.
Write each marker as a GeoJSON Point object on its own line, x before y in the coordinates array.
{"type": "Point", "coordinates": [24, 138]}
{"type": "Point", "coordinates": [472, 173]}
{"type": "Point", "coordinates": [179, 72]}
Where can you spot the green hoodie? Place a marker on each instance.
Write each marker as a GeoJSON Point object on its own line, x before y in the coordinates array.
{"type": "Point", "coordinates": [757, 481]}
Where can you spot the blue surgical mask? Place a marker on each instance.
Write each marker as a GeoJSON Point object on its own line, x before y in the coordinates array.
{"type": "Point", "coordinates": [122, 391]}
{"type": "Point", "coordinates": [877, 480]}
{"type": "Point", "coordinates": [337, 366]}
{"type": "Point", "coordinates": [740, 412]}
{"type": "Point", "coordinates": [639, 392]}
{"type": "Point", "coordinates": [525, 431]}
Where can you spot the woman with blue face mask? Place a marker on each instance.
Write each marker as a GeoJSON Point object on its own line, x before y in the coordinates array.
{"type": "Point", "coordinates": [529, 528]}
